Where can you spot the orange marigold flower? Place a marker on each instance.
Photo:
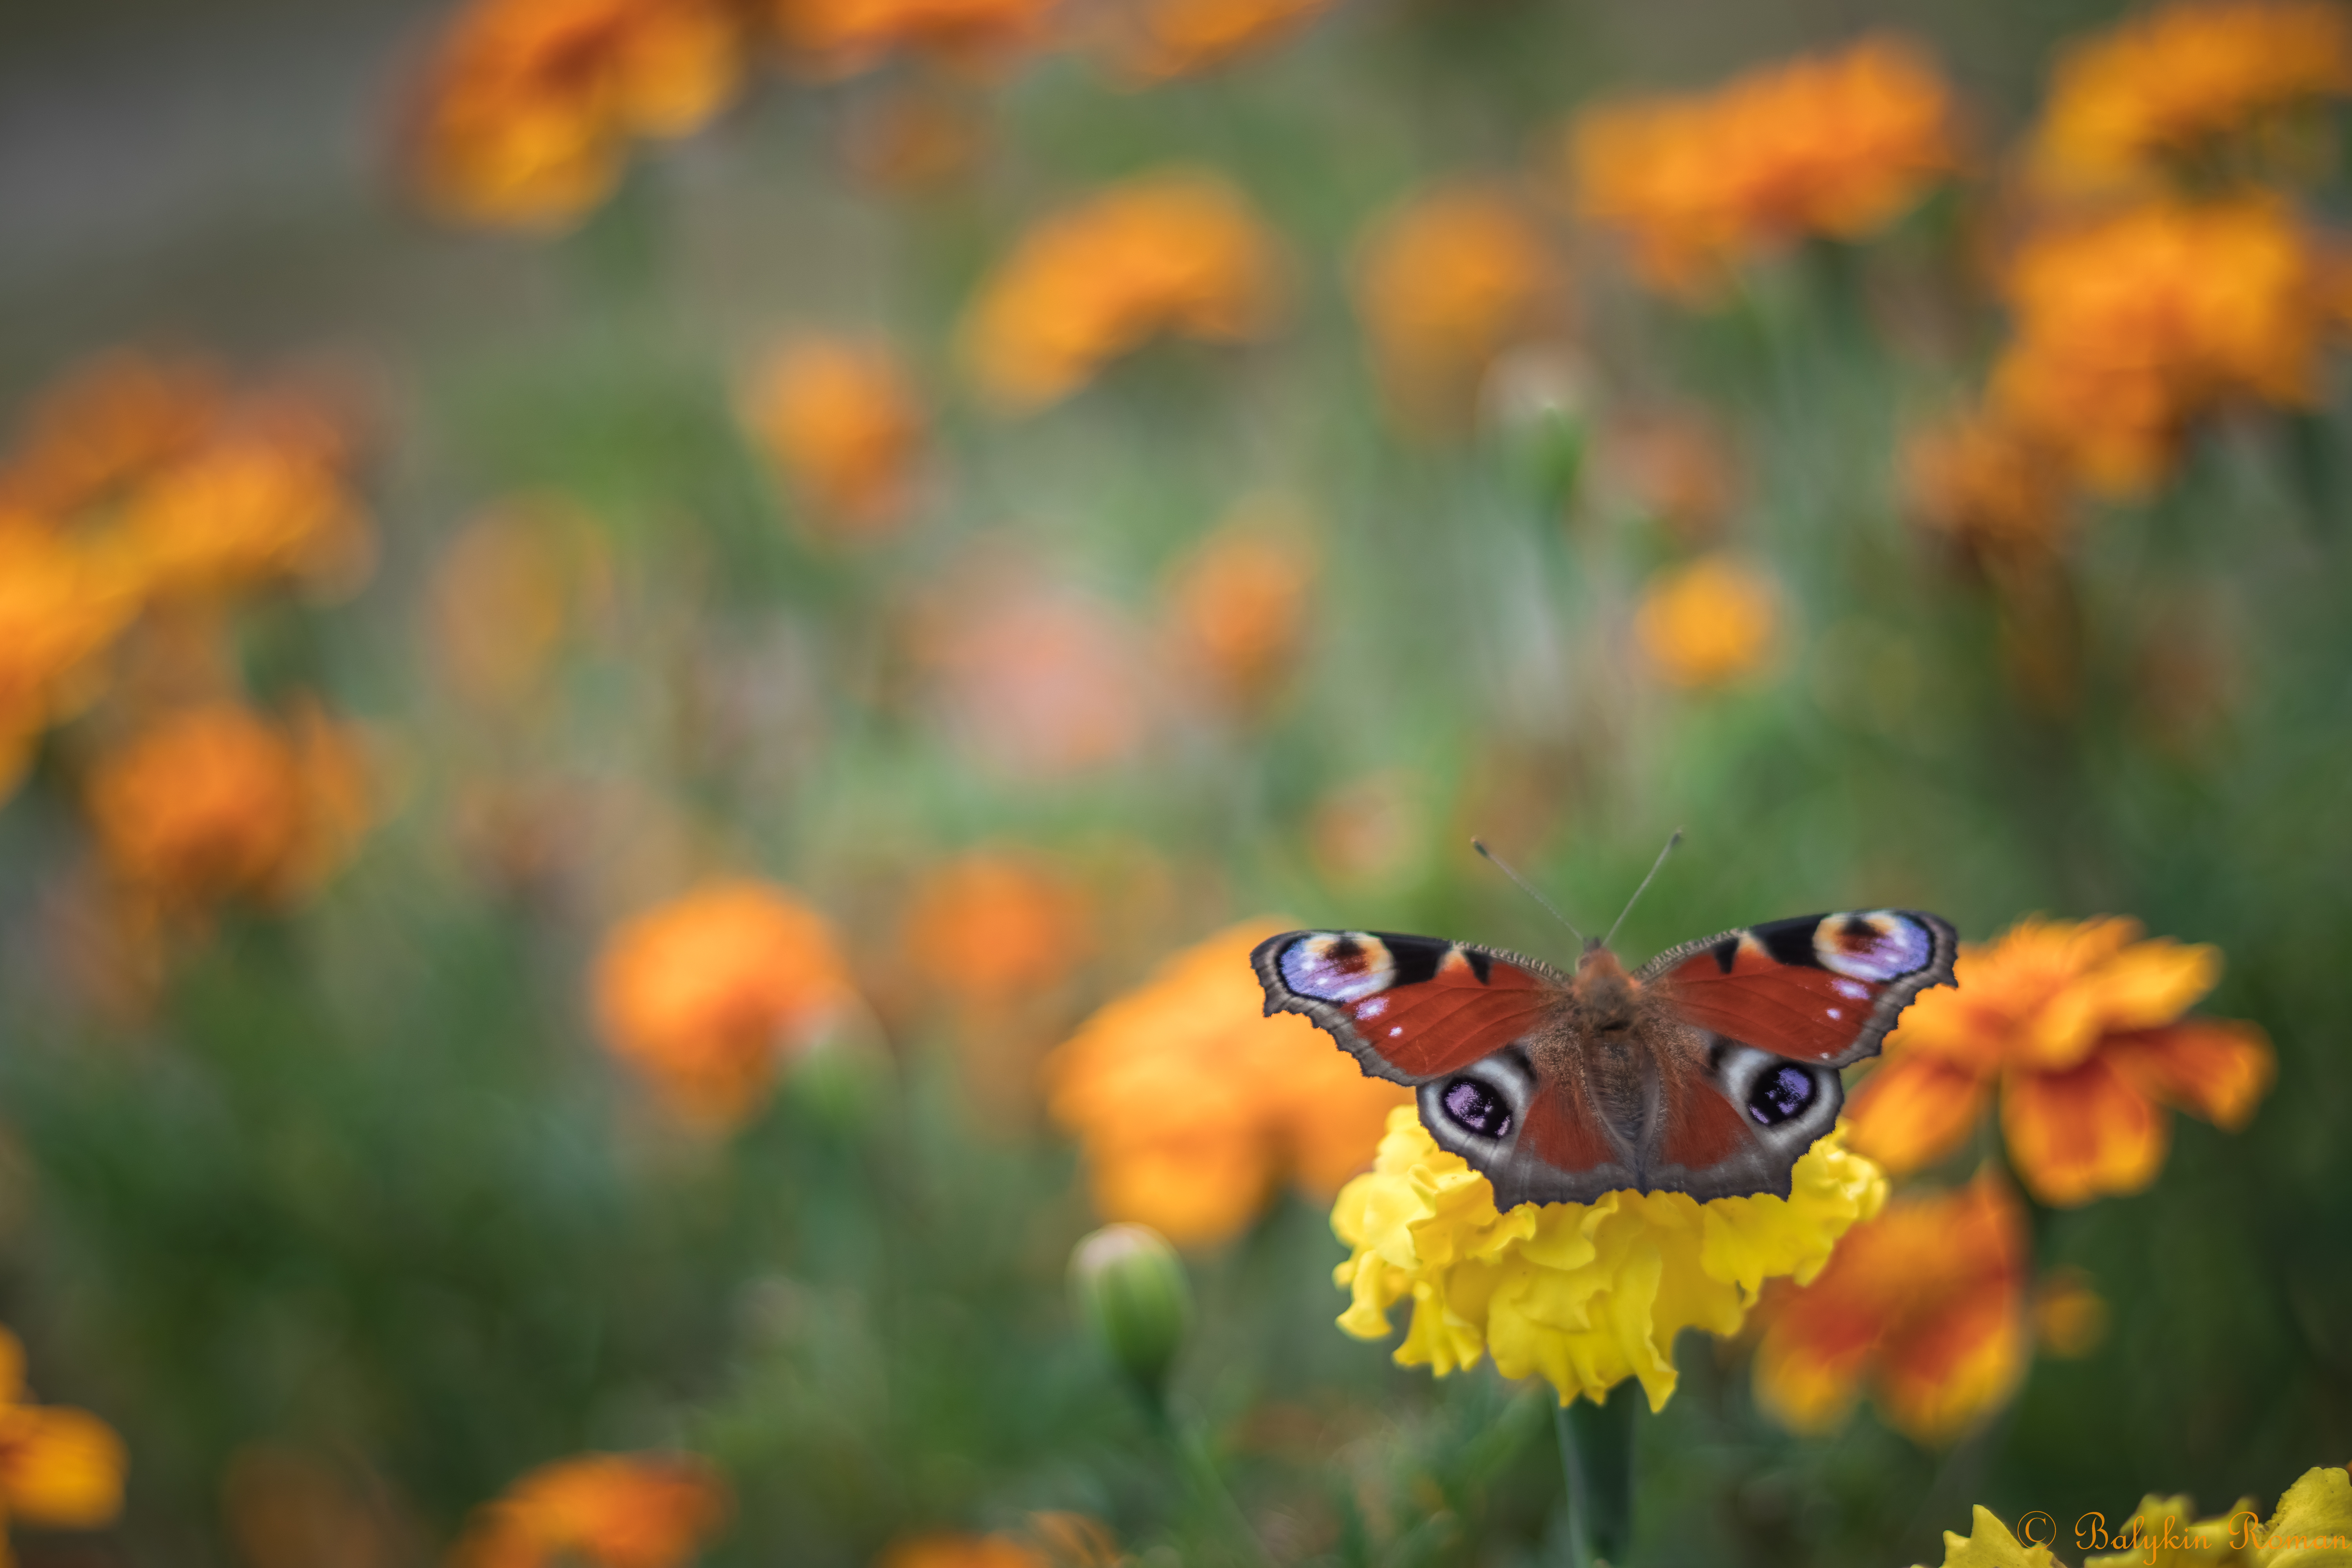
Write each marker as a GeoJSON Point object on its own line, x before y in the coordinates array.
{"type": "Point", "coordinates": [1179, 252]}
{"type": "Point", "coordinates": [216, 802]}
{"type": "Point", "coordinates": [265, 500]}
{"type": "Point", "coordinates": [945, 1550]}
{"type": "Point", "coordinates": [992, 926]}
{"type": "Point", "coordinates": [112, 420]}
{"type": "Point", "coordinates": [59, 609]}
{"type": "Point", "coordinates": [705, 995]}
{"type": "Point", "coordinates": [1193, 1107]}
{"type": "Point", "coordinates": [2000, 494]}
{"type": "Point", "coordinates": [2163, 89]}
{"type": "Point", "coordinates": [2130, 326]}
{"type": "Point", "coordinates": [1160, 39]}
{"type": "Point", "coordinates": [610, 1511]}
{"type": "Point", "coordinates": [1927, 1302]}
{"type": "Point", "coordinates": [58, 1467]}
{"type": "Point", "coordinates": [1835, 144]}
{"type": "Point", "coordinates": [841, 420]}
{"type": "Point", "coordinates": [1709, 622]}
{"type": "Point", "coordinates": [506, 593]}
{"type": "Point", "coordinates": [529, 106]}
{"type": "Point", "coordinates": [843, 38]}
{"type": "Point", "coordinates": [1446, 282]}
{"type": "Point", "coordinates": [1238, 602]}
{"type": "Point", "coordinates": [2082, 1024]}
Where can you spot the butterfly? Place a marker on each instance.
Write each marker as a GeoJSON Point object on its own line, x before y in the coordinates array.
{"type": "Point", "coordinates": [1708, 1070]}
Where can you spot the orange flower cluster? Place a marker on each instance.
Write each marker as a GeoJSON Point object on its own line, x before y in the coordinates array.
{"type": "Point", "coordinates": [1926, 1303]}
{"type": "Point", "coordinates": [2082, 1026]}
{"type": "Point", "coordinates": [59, 1468]}
{"type": "Point", "coordinates": [992, 926]}
{"type": "Point", "coordinates": [528, 107]}
{"type": "Point", "coordinates": [60, 608]}
{"type": "Point", "coordinates": [840, 419]}
{"type": "Point", "coordinates": [2002, 496]}
{"type": "Point", "coordinates": [1837, 145]}
{"type": "Point", "coordinates": [1193, 1107]}
{"type": "Point", "coordinates": [2163, 92]}
{"type": "Point", "coordinates": [1446, 282]}
{"type": "Point", "coordinates": [1165, 38]}
{"type": "Point", "coordinates": [1709, 622]}
{"type": "Point", "coordinates": [706, 994]}
{"type": "Point", "coordinates": [607, 1511]}
{"type": "Point", "coordinates": [1180, 252]}
{"type": "Point", "coordinates": [215, 802]}
{"type": "Point", "coordinates": [1238, 604]}
{"type": "Point", "coordinates": [843, 38]}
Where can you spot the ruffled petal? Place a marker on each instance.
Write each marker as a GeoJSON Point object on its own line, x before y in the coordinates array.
{"type": "Point", "coordinates": [2083, 1134]}
{"type": "Point", "coordinates": [1989, 1545]}
{"type": "Point", "coordinates": [2312, 1526]}
{"type": "Point", "coordinates": [2217, 1069]}
{"type": "Point", "coordinates": [1916, 1109]}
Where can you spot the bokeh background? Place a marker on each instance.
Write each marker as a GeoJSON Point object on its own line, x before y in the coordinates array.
{"type": "Point", "coordinates": [636, 637]}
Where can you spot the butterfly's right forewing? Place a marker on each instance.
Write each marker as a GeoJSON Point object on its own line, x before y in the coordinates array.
{"type": "Point", "coordinates": [1410, 1008]}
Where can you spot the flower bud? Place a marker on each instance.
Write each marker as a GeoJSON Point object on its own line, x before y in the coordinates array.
{"type": "Point", "coordinates": [1130, 1291]}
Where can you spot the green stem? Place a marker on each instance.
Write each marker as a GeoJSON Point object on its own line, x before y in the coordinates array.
{"type": "Point", "coordinates": [1596, 1454]}
{"type": "Point", "coordinates": [1207, 1482]}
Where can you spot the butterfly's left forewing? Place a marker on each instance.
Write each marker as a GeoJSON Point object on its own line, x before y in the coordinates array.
{"type": "Point", "coordinates": [1410, 1008]}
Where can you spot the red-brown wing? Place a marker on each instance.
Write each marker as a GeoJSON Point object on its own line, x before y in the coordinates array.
{"type": "Point", "coordinates": [1819, 988]}
{"type": "Point", "coordinates": [1410, 1008]}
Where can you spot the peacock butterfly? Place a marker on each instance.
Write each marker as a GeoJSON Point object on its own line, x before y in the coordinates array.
{"type": "Point", "coordinates": [1708, 1070]}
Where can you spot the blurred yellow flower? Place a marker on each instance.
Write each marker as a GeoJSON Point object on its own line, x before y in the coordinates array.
{"type": "Point", "coordinates": [1445, 282]}
{"type": "Point", "coordinates": [992, 926]}
{"type": "Point", "coordinates": [505, 593]}
{"type": "Point", "coordinates": [2130, 326]}
{"type": "Point", "coordinates": [2312, 1528]}
{"type": "Point", "coordinates": [841, 420]}
{"type": "Point", "coordinates": [1835, 144]}
{"type": "Point", "coordinates": [60, 1468]}
{"type": "Point", "coordinates": [1709, 622]}
{"type": "Point", "coordinates": [606, 1510]}
{"type": "Point", "coordinates": [2160, 91]}
{"type": "Point", "coordinates": [706, 994]}
{"type": "Point", "coordinates": [2082, 1025]}
{"type": "Point", "coordinates": [1927, 1301]}
{"type": "Point", "coordinates": [1193, 1107]}
{"type": "Point", "coordinates": [843, 38]}
{"type": "Point", "coordinates": [59, 609]}
{"type": "Point", "coordinates": [215, 803]}
{"type": "Point", "coordinates": [111, 420]}
{"type": "Point", "coordinates": [528, 106]}
{"type": "Point", "coordinates": [1582, 1295]}
{"type": "Point", "coordinates": [1238, 604]}
{"type": "Point", "coordinates": [1158, 39]}
{"type": "Point", "coordinates": [1178, 251]}
{"type": "Point", "coordinates": [2000, 495]}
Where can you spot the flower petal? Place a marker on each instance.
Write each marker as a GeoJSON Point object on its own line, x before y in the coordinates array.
{"type": "Point", "coordinates": [2142, 986]}
{"type": "Point", "coordinates": [2081, 1134]}
{"type": "Point", "coordinates": [1916, 1109]}
{"type": "Point", "coordinates": [2314, 1521]}
{"type": "Point", "coordinates": [2217, 1069]}
{"type": "Point", "coordinates": [1989, 1545]}
{"type": "Point", "coordinates": [60, 1467]}
{"type": "Point", "coordinates": [1955, 1366]}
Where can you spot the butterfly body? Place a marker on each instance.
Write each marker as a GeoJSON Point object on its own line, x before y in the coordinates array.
{"type": "Point", "coordinates": [1709, 1070]}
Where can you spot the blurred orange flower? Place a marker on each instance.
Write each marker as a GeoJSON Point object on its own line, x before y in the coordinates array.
{"type": "Point", "coordinates": [1193, 1107]}
{"type": "Point", "coordinates": [2128, 327]}
{"type": "Point", "coordinates": [2082, 1025]}
{"type": "Point", "coordinates": [529, 106]}
{"type": "Point", "coordinates": [59, 609]}
{"type": "Point", "coordinates": [840, 418]}
{"type": "Point", "coordinates": [843, 38]}
{"type": "Point", "coordinates": [1160, 39]}
{"type": "Point", "coordinates": [1835, 144]}
{"type": "Point", "coordinates": [610, 1511]}
{"type": "Point", "coordinates": [2161, 90]}
{"type": "Point", "coordinates": [992, 926]}
{"type": "Point", "coordinates": [507, 591]}
{"type": "Point", "coordinates": [2001, 495]}
{"type": "Point", "coordinates": [1238, 602]}
{"type": "Point", "coordinates": [1927, 1302]}
{"type": "Point", "coordinates": [705, 995]}
{"type": "Point", "coordinates": [1445, 282]}
{"type": "Point", "coordinates": [1178, 251]}
{"type": "Point", "coordinates": [113, 419]}
{"type": "Point", "coordinates": [962, 1552]}
{"type": "Point", "coordinates": [1709, 622]}
{"type": "Point", "coordinates": [59, 1468]}
{"type": "Point", "coordinates": [215, 803]}
{"type": "Point", "coordinates": [265, 500]}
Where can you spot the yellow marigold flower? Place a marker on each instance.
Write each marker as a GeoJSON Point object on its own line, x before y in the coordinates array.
{"type": "Point", "coordinates": [2311, 1529]}
{"type": "Point", "coordinates": [215, 803]}
{"type": "Point", "coordinates": [506, 593]}
{"type": "Point", "coordinates": [843, 38]}
{"type": "Point", "coordinates": [1193, 1107]}
{"type": "Point", "coordinates": [59, 610]}
{"type": "Point", "coordinates": [841, 420]}
{"type": "Point", "coordinates": [1835, 144]}
{"type": "Point", "coordinates": [1179, 252]}
{"type": "Point", "coordinates": [1927, 1301]}
{"type": "Point", "coordinates": [2082, 1024]}
{"type": "Point", "coordinates": [992, 926]}
{"type": "Point", "coordinates": [1990, 1544]}
{"type": "Point", "coordinates": [2129, 327]}
{"type": "Point", "coordinates": [1160, 39]}
{"type": "Point", "coordinates": [2162, 90]}
{"type": "Point", "coordinates": [1708, 622]}
{"type": "Point", "coordinates": [1446, 282]}
{"type": "Point", "coordinates": [529, 106]}
{"type": "Point", "coordinates": [1582, 1295]}
{"type": "Point", "coordinates": [114, 419]}
{"type": "Point", "coordinates": [2003, 496]}
{"type": "Point", "coordinates": [704, 996]}
{"type": "Point", "coordinates": [60, 1467]}
{"type": "Point", "coordinates": [609, 1510]}
{"type": "Point", "coordinates": [1238, 604]}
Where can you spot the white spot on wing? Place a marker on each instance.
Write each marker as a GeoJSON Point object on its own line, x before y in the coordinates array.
{"type": "Point", "coordinates": [1852, 990]}
{"type": "Point", "coordinates": [1395, 1029]}
{"type": "Point", "coordinates": [1372, 1008]}
{"type": "Point", "coordinates": [1834, 1014]}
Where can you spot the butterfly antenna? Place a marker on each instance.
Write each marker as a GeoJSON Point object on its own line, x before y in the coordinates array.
{"type": "Point", "coordinates": [1528, 887]}
{"type": "Point", "coordinates": [1644, 888]}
